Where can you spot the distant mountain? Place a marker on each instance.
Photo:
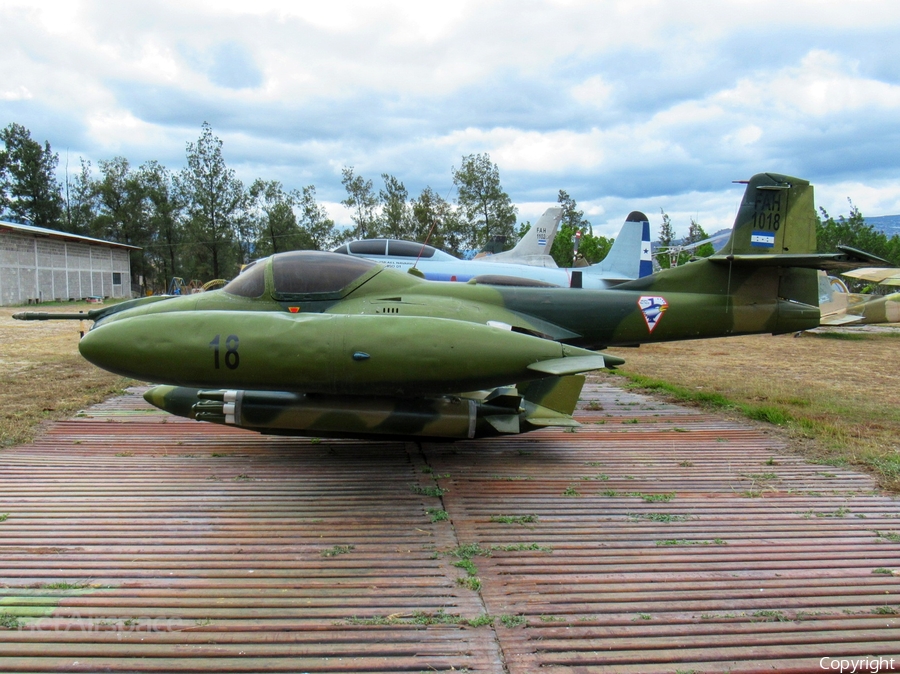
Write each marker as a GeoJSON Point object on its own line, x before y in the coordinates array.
{"type": "Point", "coordinates": [889, 224]}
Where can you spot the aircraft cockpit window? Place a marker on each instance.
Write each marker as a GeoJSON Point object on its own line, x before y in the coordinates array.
{"type": "Point", "coordinates": [343, 250]}
{"type": "Point", "coordinates": [251, 282]}
{"type": "Point", "coordinates": [409, 249]}
{"type": "Point", "coordinates": [306, 272]}
{"type": "Point", "coordinates": [368, 247]}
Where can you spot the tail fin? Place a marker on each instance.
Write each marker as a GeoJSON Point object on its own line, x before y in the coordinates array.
{"type": "Point", "coordinates": [777, 216]}
{"type": "Point", "coordinates": [629, 258]}
{"type": "Point", "coordinates": [534, 247]}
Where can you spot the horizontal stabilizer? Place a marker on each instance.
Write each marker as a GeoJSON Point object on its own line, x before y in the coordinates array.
{"type": "Point", "coordinates": [849, 258]}
{"type": "Point", "coordinates": [572, 365]}
{"type": "Point", "coordinates": [839, 319]}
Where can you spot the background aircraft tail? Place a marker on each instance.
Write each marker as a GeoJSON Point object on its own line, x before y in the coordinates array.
{"type": "Point", "coordinates": [534, 247]}
{"type": "Point", "coordinates": [629, 258]}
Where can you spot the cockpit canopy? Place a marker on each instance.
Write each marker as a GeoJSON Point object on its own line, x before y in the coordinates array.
{"type": "Point", "coordinates": [300, 274]}
{"type": "Point", "coordinates": [393, 248]}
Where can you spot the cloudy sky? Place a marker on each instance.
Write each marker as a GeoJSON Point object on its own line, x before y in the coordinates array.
{"type": "Point", "coordinates": [633, 104]}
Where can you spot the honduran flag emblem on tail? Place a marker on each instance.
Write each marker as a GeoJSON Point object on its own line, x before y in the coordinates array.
{"type": "Point", "coordinates": [763, 239]}
{"type": "Point", "coordinates": [542, 242]}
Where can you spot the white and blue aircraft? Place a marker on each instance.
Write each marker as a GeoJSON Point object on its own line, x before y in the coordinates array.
{"type": "Point", "coordinates": [526, 264]}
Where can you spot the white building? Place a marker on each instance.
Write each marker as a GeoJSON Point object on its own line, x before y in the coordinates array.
{"type": "Point", "coordinates": [43, 265]}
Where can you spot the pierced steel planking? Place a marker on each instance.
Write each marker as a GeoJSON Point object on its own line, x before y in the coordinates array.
{"type": "Point", "coordinates": [663, 539]}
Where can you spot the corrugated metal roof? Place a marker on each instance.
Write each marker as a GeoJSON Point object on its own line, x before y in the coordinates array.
{"type": "Point", "coordinates": [66, 236]}
{"type": "Point", "coordinates": [654, 539]}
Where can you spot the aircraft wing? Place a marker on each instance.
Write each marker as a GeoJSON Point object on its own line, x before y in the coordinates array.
{"type": "Point", "coordinates": [889, 276]}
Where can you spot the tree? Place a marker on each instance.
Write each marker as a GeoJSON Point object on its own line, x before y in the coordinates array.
{"type": "Point", "coordinates": [395, 215]}
{"type": "Point", "coordinates": [593, 248]}
{"type": "Point", "coordinates": [164, 210]}
{"type": "Point", "coordinates": [666, 239]}
{"type": "Point", "coordinates": [81, 201]}
{"type": "Point", "coordinates": [215, 201]}
{"type": "Point", "coordinates": [436, 222]}
{"type": "Point", "coordinates": [696, 233]}
{"type": "Point", "coordinates": [487, 211]}
{"type": "Point", "coordinates": [29, 191]}
{"type": "Point", "coordinates": [122, 214]}
{"type": "Point", "coordinates": [319, 232]}
{"type": "Point", "coordinates": [274, 225]}
{"type": "Point", "coordinates": [361, 201]}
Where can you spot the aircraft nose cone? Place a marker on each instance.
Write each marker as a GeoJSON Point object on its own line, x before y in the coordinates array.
{"type": "Point", "coordinates": [103, 346]}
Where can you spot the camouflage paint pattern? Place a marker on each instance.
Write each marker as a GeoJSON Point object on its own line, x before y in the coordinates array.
{"type": "Point", "coordinates": [317, 343]}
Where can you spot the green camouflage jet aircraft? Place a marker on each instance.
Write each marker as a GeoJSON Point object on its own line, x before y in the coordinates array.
{"type": "Point", "coordinates": [314, 343]}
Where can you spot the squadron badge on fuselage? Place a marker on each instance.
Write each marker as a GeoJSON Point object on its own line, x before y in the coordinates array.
{"type": "Point", "coordinates": [652, 308]}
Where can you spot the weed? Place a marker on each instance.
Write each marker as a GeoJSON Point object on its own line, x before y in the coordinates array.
{"type": "Point", "coordinates": [337, 550]}
{"type": "Point", "coordinates": [882, 570]}
{"type": "Point", "coordinates": [828, 475]}
{"type": "Point", "coordinates": [602, 477]}
{"type": "Point", "coordinates": [471, 582]}
{"type": "Point", "coordinates": [243, 477]}
{"type": "Point", "coordinates": [678, 429]}
{"type": "Point", "coordinates": [844, 336]}
{"type": "Point", "coordinates": [686, 464]}
{"type": "Point", "coordinates": [642, 616]}
{"type": "Point", "coordinates": [885, 610]}
{"type": "Point", "coordinates": [891, 536]}
{"type": "Point", "coordinates": [315, 441]}
{"type": "Point", "coordinates": [722, 440]}
{"type": "Point", "coordinates": [428, 470]}
{"type": "Point", "coordinates": [64, 586]}
{"type": "Point", "coordinates": [552, 619]}
{"type": "Point", "coordinates": [467, 565]}
{"type": "Point", "coordinates": [470, 550]}
{"type": "Point", "coordinates": [571, 491]}
{"type": "Point", "coordinates": [437, 515]}
{"type": "Point", "coordinates": [595, 464]}
{"type": "Point", "coordinates": [512, 620]}
{"type": "Point", "coordinates": [771, 461]}
{"type": "Point", "coordinates": [124, 453]}
{"type": "Point", "coordinates": [480, 621]}
{"type": "Point", "coordinates": [609, 492]}
{"type": "Point", "coordinates": [4, 517]}
{"type": "Point", "coordinates": [217, 454]}
{"type": "Point", "coordinates": [427, 491]}
{"type": "Point", "coordinates": [511, 478]}
{"type": "Point", "coordinates": [203, 622]}
{"type": "Point", "coordinates": [594, 406]}
{"type": "Point", "coordinates": [660, 517]}
{"type": "Point", "coordinates": [9, 621]}
{"type": "Point", "coordinates": [762, 477]}
{"type": "Point", "coordinates": [684, 541]}
{"type": "Point", "coordinates": [517, 547]}
{"type": "Point", "coordinates": [514, 519]}
{"type": "Point", "coordinates": [632, 421]}
{"type": "Point", "coordinates": [658, 498]}
{"type": "Point", "coordinates": [770, 616]}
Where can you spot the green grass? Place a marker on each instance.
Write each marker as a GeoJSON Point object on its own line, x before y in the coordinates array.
{"type": "Point", "coordinates": [514, 519]}
{"type": "Point", "coordinates": [337, 550]}
{"type": "Point", "coordinates": [844, 433]}
{"type": "Point", "coordinates": [437, 514]}
{"type": "Point", "coordinates": [427, 491]}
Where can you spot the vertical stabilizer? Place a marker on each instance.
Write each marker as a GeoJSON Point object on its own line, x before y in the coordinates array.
{"type": "Point", "coordinates": [777, 215]}
{"type": "Point", "coordinates": [629, 258]}
{"type": "Point", "coordinates": [534, 247]}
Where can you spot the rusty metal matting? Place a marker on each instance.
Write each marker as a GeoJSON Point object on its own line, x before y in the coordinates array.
{"type": "Point", "coordinates": [653, 539]}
